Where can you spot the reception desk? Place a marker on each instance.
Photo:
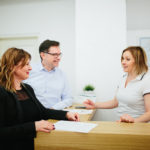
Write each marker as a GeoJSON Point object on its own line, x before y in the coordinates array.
{"type": "Point", "coordinates": [106, 136]}
{"type": "Point", "coordinates": [84, 117]}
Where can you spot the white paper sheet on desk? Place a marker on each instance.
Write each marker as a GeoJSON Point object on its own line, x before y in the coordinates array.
{"type": "Point", "coordinates": [74, 126]}
{"type": "Point", "coordinates": [80, 111]}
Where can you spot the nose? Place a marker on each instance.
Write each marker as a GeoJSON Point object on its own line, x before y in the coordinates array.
{"type": "Point", "coordinates": [30, 68]}
{"type": "Point", "coordinates": [58, 56]}
{"type": "Point", "coordinates": [123, 62]}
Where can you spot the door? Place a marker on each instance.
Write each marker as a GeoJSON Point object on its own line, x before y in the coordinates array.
{"type": "Point", "coordinates": [29, 44]}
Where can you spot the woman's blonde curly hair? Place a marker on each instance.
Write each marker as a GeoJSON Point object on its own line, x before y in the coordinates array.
{"type": "Point", "coordinates": [11, 58]}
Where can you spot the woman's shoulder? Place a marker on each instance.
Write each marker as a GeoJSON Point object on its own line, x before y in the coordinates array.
{"type": "Point", "coordinates": [2, 89]}
{"type": "Point", "coordinates": [4, 93]}
{"type": "Point", "coordinates": [27, 86]}
{"type": "Point", "coordinates": [146, 75]}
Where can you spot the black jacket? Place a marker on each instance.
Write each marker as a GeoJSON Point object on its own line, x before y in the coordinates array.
{"type": "Point", "coordinates": [14, 133]}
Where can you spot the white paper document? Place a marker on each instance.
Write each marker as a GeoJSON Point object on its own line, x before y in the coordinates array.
{"type": "Point", "coordinates": [79, 111]}
{"type": "Point", "coordinates": [74, 126]}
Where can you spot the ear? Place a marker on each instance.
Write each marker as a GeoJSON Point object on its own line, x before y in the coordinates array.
{"type": "Point", "coordinates": [42, 55]}
{"type": "Point", "coordinates": [13, 68]}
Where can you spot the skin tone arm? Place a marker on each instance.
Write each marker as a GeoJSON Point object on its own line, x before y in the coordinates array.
{"type": "Point", "coordinates": [46, 126]}
{"type": "Point", "coordinates": [103, 105]}
{"type": "Point", "coordinates": [143, 118]}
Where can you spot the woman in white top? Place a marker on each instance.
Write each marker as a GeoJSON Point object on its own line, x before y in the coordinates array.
{"type": "Point", "coordinates": [133, 93]}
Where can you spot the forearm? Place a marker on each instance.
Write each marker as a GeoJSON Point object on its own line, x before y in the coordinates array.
{"type": "Point", "coordinates": [143, 118]}
{"type": "Point", "coordinates": [107, 105]}
{"type": "Point", "coordinates": [54, 114]}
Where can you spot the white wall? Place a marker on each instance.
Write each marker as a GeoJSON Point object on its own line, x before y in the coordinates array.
{"type": "Point", "coordinates": [138, 22]}
{"type": "Point", "coordinates": [92, 34]}
{"type": "Point", "coordinates": [133, 36]}
{"type": "Point", "coordinates": [100, 39]}
{"type": "Point", "coordinates": [138, 14]}
{"type": "Point", "coordinates": [53, 19]}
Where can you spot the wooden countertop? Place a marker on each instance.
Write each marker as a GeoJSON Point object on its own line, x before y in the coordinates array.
{"type": "Point", "coordinates": [106, 136]}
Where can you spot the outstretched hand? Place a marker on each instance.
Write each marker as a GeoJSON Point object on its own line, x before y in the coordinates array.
{"type": "Point", "coordinates": [89, 104]}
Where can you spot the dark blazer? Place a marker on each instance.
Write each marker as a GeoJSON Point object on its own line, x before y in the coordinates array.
{"type": "Point", "coordinates": [14, 133]}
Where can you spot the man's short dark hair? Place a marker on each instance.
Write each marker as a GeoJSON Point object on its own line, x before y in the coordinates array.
{"type": "Point", "coordinates": [45, 45]}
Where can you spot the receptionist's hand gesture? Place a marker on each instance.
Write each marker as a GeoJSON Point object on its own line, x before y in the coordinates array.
{"type": "Point", "coordinates": [89, 104]}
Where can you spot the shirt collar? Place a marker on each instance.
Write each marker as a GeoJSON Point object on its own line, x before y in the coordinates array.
{"type": "Point", "coordinates": [42, 68]}
{"type": "Point", "coordinates": [139, 77]}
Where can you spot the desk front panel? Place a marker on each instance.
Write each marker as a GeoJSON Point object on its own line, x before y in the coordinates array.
{"type": "Point", "coordinates": [106, 136]}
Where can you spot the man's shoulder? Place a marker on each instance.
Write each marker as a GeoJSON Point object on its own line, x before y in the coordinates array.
{"type": "Point", "coordinates": [59, 71]}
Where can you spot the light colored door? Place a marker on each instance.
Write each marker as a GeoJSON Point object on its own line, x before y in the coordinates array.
{"type": "Point", "coordinates": [29, 44]}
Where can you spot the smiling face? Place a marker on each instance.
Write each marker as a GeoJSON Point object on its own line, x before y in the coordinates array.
{"type": "Point", "coordinates": [128, 62]}
{"type": "Point", "coordinates": [22, 72]}
{"type": "Point", "coordinates": [51, 58]}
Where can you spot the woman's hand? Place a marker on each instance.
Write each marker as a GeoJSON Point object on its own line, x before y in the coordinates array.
{"type": "Point", "coordinates": [44, 126]}
{"type": "Point", "coordinates": [72, 116]}
{"type": "Point", "coordinates": [89, 104]}
{"type": "Point", "coordinates": [126, 118]}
